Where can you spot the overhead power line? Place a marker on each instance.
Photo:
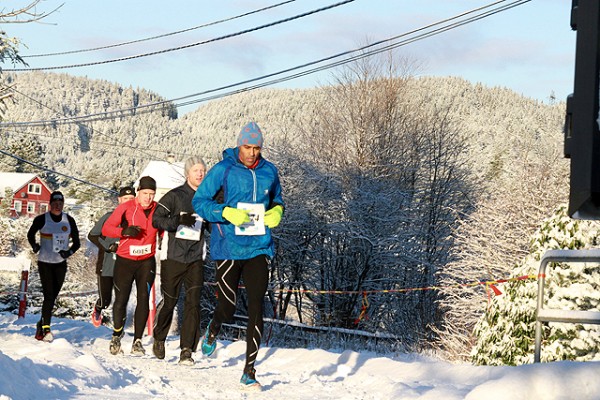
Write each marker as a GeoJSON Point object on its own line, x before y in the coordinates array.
{"type": "Point", "coordinates": [56, 172]}
{"type": "Point", "coordinates": [341, 62]}
{"type": "Point", "coordinates": [103, 147]}
{"type": "Point", "coordinates": [353, 58]}
{"type": "Point", "coordinates": [82, 124]}
{"type": "Point", "coordinates": [110, 46]}
{"type": "Point", "coordinates": [365, 51]}
{"type": "Point", "coordinates": [184, 46]}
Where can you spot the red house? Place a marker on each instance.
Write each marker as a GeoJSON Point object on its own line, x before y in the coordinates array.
{"type": "Point", "coordinates": [31, 195]}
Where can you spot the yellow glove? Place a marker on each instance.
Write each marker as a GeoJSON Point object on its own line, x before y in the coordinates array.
{"type": "Point", "coordinates": [236, 216]}
{"type": "Point", "coordinates": [273, 216]}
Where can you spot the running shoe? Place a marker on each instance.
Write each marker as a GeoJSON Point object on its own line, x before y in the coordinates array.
{"type": "Point", "coordinates": [115, 344]}
{"type": "Point", "coordinates": [39, 332]}
{"type": "Point", "coordinates": [96, 317]}
{"type": "Point", "coordinates": [209, 342]}
{"type": "Point", "coordinates": [186, 357]}
{"type": "Point", "coordinates": [249, 382]}
{"type": "Point", "coordinates": [158, 348]}
{"type": "Point", "coordinates": [137, 349]}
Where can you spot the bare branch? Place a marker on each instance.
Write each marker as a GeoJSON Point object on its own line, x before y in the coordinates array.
{"type": "Point", "coordinates": [29, 12]}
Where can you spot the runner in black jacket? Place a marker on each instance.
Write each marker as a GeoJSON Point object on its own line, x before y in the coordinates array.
{"type": "Point", "coordinates": [184, 264]}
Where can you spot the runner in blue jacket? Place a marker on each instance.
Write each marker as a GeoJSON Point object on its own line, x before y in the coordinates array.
{"type": "Point", "coordinates": [241, 196]}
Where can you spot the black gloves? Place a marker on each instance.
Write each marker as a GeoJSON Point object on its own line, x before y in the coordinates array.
{"type": "Point", "coordinates": [187, 219]}
{"type": "Point", "coordinates": [131, 231]}
{"type": "Point", "coordinates": [65, 253]}
{"type": "Point", "coordinates": [113, 247]}
{"type": "Point", "coordinates": [35, 247]}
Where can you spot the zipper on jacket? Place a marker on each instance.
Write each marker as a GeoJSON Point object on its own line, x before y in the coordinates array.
{"type": "Point", "coordinates": [255, 185]}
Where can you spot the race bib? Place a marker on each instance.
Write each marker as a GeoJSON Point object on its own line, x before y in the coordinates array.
{"type": "Point", "coordinates": [140, 250]}
{"type": "Point", "coordinates": [190, 232]}
{"type": "Point", "coordinates": [60, 241]}
{"type": "Point", "coordinates": [256, 225]}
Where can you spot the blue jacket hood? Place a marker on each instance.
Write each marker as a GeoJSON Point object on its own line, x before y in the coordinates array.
{"type": "Point", "coordinates": [233, 154]}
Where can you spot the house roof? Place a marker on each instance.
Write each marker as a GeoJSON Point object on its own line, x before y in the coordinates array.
{"type": "Point", "coordinates": [14, 180]}
{"type": "Point", "coordinates": [167, 175]}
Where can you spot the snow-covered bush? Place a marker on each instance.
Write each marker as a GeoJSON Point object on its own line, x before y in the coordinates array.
{"type": "Point", "coordinates": [506, 332]}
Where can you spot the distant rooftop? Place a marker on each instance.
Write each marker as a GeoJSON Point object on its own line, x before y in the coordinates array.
{"type": "Point", "coordinates": [14, 180]}
{"type": "Point", "coordinates": [167, 175]}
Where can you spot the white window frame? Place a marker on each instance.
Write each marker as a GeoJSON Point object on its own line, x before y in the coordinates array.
{"type": "Point", "coordinates": [43, 208]}
{"type": "Point", "coordinates": [30, 207]}
{"type": "Point", "coordinates": [34, 188]}
{"type": "Point", "coordinates": [18, 206]}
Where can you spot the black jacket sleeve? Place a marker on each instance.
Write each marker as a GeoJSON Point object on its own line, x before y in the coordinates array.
{"type": "Point", "coordinates": [166, 215]}
{"type": "Point", "coordinates": [36, 225]}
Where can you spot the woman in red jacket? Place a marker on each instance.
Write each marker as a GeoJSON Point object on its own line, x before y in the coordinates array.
{"type": "Point", "coordinates": [132, 223]}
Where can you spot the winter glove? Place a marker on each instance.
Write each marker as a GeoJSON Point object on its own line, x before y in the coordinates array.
{"type": "Point", "coordinates": [35, 247]}
{"type": "Point", "coordinates": [113, 247]}
{"type": "Point", "coordinates": [235, 215]}
{"type": "Point", "coordinates": [65, 253]}
{"type": "Point", "coordinates": [131, 231]}
{"type": "Point", "coordinates": [273, 216]}
{"type": "Point", "coordinates": [187, 219]}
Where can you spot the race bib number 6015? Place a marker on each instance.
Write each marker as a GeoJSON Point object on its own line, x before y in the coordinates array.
{"type": "Point", "coordinates": [140, 250]}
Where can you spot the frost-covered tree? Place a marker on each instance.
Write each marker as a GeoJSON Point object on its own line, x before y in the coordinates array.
{"type": "Point", "coordinates": [13, 236]}
{"type": "Point", "coordinates": [505, 333]}
{"type": "Point", "coordinates": [6, 202]}
{"type": "Point", "coordinates": [9, 46]}
{"type": "Point", "coordinates": [378, 182]}
{"type": "Point", "coordinates": [347, 226]}
{"type": "Point", "coordinates": [24, 152]}
{"type": "Point", "coordinates": [113, 150]}
{"type": "Point", "coordinates": [522, 179]}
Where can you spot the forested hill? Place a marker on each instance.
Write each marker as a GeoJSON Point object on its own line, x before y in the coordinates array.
{"type": "Point", "coordinates": [498, 122]}
{"type": "Point", "coordinates": [506, 136]}
{"type": "Point", "coordinates": [389, 182]}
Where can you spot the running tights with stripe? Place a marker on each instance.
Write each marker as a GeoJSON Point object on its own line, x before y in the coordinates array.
{"type": "Point", "coordinates": [255, 274]}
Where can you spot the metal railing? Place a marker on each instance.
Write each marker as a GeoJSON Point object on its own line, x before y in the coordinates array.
{"type": "Point", "coordinates": [552, 315]}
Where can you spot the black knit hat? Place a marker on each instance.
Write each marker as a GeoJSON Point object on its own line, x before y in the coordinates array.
{"type": "Point", "coordinates": [147, 182]}
{"type": "Point", "coordinates": [56, 195]}
{"type": "Point", "coordinates": [126, 190]}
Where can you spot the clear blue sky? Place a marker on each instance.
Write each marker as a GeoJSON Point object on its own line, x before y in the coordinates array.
{"type": "Point", "coordinates": [529, 48]}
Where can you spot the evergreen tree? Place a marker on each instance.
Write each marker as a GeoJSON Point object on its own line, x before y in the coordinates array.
{"type": "Point", "coordinates": [25, 150]}
{"type": "Point", "coordinates": [5, 202]}
{"type": "Point", "coordinates": [506, 332]}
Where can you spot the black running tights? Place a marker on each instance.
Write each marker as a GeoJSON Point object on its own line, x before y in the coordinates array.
{"type": "Point", "coordinates": [255, 273]}
{"type": "Point", "coordinates": [52, 277]}
{"type": "Point", "coordinates": [141, 272]}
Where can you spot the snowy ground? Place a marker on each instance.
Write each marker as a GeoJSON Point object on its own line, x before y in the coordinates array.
{"type": "Point", "coordinates": [77, 365]}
